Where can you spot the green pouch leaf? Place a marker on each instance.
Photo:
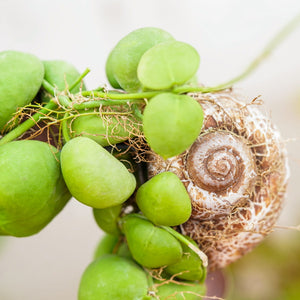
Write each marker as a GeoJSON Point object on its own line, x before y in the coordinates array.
{"type": "Point", "coordinates": [32, 189]}
{"type": "Point", "coordinates": [164, 200]}
{"type": "Point", "coordinates": [112, 277]}
{"type": "Point", "coordinates": [61, 73]}
{"type": "Point", "coordinates": [189, 267]}
{"type": "Point", "coordinates": [149, 245]}
{"type": "Point", "coordinates": [172, 123]}
{"type": "Point", "coordinates": [102, 130]}
{"type": "Point", "coordinates": [106, 245]}
{"type": "Point", "coordinates": [21, 76]}
{"type": "Point", "coordinates": [168, 64]}
{"type": "Point", "coordinates": [107, 218]}
{"type": "Point", "coordinates": [93, 176]}
{"type": "Point", "coordinates": [180, 291]}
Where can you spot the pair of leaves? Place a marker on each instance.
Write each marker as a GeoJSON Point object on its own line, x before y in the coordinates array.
{"type": "Point", "coordinates": [150, 58]}
{"type": "Point", "coordinates": [122, 63]}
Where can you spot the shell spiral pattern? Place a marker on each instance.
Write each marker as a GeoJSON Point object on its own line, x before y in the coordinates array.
{"type": "Point", "coordinates": [236, 174]}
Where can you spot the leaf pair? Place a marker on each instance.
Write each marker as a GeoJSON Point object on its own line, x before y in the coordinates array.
{"type": "Point", "coordinates": [122, 63]}
{"type": "Point", "coordinates": [150, 58]}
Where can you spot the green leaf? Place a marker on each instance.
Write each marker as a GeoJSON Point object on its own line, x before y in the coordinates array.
{"type": "Point", "coordinates": [189, 267]}
{"type": "Point", "coordinates": [93, 176]}
{"type": "Point", "coordinates": [172, 123]}
{"type": "Point", "coordinates": [107, 218]}
{"type": "Point", "coordinates": [150, 246]}
{"type": "Point", "coordinates": [61, 73]}
{"type": "Point", "coordinates": [168, 64]}
{"type": "Point", "coordinates": [21, 76]}
{"type": "Point", "coordinates": [180, 291]}
{"type": "Point", "coordinates": [32, 189]}
{"type": "Point", "coordinates": [164, 200]}
{"type": "Point", "coordinates": [113, 278]}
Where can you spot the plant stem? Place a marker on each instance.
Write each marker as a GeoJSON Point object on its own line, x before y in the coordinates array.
{"type": "Point", "coordinates": [97, 103]}
{"type": "Point", "coordinates": [121, 96]}
{"type": "Point", "coordinates": [64, 101]}
{"type": "Point", "coordinates": [277, 40]}
{"type": "Point", "coordinates": [137, 112]}
{"type": "Point", "coordinates": [65, 131]}
{"type": "Point", "coordinates": [151, 291]}
{"type": "Point", "coordinates": [48, 87]}
{"type": "Point", "coordinates": [22, 128]}
{"type": "Point", "coordinates": [186, 242]}
{"type": "Point", "coordinates": [78, 80]}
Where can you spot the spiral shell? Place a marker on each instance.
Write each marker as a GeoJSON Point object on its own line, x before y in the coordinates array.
{"type": "Point", "coordinates": [236, 175]}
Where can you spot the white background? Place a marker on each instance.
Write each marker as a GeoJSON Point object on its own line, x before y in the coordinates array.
{"type": "Point", "coordinates": [227, 33]}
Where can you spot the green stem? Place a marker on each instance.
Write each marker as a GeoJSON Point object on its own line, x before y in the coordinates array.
{"type": "Point", "coordinates": [65, 129]}
{"type": "Point", "coordinates": [121, 96]}
{"type": "Point", "coordinates": [78, 80]}
{"type": "Point", "coordinates": [64, 101]}
{"type": "Point", "coordinates": [99, 89]}
{"type": "Point", "coordinates": [194, 89]}
{"type": "Point", "coordinates": [277, 40]}
{"type": "Point", "coordinates": [48, 87]}
{"type": "Point", "coordinates": [137, 112]}
{"type": "Point", "coordinates": [98, 103]}
{"type": "Point", "coordinates": [186, 242]}
{"type": "Point", "coordinates": [150, 282]}
{"type": "Point", "coordinates": [22, 128]}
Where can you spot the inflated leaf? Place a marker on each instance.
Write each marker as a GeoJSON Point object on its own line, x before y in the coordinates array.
{"type": "Point", "coordinates": [172, 123]}
{"type": "Point", "coordinates": [168, 64]}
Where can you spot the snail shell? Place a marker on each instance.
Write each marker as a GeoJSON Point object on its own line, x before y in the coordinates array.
{"type": "Point", "coordinates": [235, 173]}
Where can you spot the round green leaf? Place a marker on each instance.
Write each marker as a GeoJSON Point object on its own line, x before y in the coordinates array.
{"type": "Point", "coordinates": [32, 189]}
{"type": "Point", "coordinates": [61, 74]}
{"type": "Point", "coordinates": [168, 64]}
{"type": "Point", "coordinates": [164, 200]}
{"type": "Point", "coordinates": [121, 67]}
{"type": "Point", "coordinates": [107, 218]}
{"type": "Point", "coordinates": [21, 76]}
{"type": "Point", "coordinates": [112, 277]}
{"type": "Point", "coordinates": [104, 131]}
{"type": "Point", "coordinates": [93, 176]}
{"type": "Point", "coordinates": [110, 73]}
{"type": "Point", "coordinates": [150, 245]}
{"type": "Point", "coordinates": [172, 123]}
{"type": "Point", "coordinates": [180, 291]}
{"type": "Point", "coordinates": [189, 267]}
{"type": "Point", "coordinates": [106, 245]}
{"type": "Point", "coordinates": [124, 251]}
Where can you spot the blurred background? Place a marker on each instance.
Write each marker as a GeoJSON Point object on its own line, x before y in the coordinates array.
{"type": "Point", "coordinates": [228, 34]}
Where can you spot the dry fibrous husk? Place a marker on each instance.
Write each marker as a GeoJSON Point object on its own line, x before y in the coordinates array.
{"type": "Point", "coordinates": [236, 174]}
